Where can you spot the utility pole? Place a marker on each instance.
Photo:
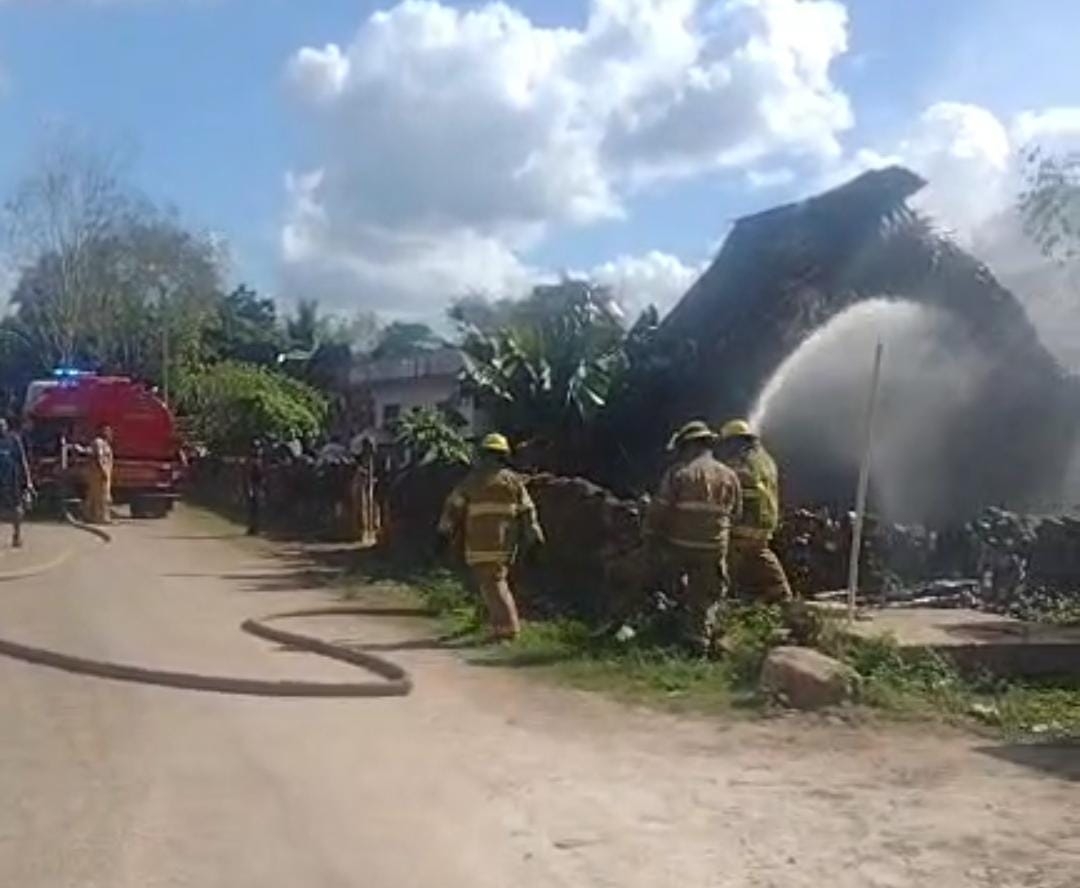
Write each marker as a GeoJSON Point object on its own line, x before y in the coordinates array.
{"type": "Point", "coordinates": [864, 483]}
{"type": "Point", "coordinates": [163, 305]}
{"type": "Point", "coordinates": [164, 360]}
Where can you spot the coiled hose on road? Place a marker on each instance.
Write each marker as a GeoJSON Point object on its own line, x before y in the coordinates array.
{"type": "Point", "coordinates": [395, 682]}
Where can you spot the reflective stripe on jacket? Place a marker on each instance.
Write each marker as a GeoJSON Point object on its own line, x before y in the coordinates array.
{"type": "Point", "coordinates": [760, 493]}
{"type": "Point", "coordinates": [492, 509]}
{"type": "Point", "coordinates": [695, 504]}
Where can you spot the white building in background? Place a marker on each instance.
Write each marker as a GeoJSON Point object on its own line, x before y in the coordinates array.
{"type": "Point", "coordinates": [426, 379]}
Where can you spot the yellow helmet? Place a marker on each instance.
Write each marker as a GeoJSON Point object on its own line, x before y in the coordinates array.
{"type": "Point", "coordinates": [695, 430]}
{"type": "Point", "coordinates": [736, 428]}
{"type": "Point", "coordinates": [495, 443]}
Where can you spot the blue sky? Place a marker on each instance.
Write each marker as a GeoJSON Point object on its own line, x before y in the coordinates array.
{"type": "Point", "coordinates": [199, 91]}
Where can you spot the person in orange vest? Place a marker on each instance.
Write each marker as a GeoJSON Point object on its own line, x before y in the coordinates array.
{"type": "Point", "coordinates": [756, 572]}
{"type": "Point", "coordinates": [494, 517]}
{"type": "Point", "coordinates": [690, 520]}
{"type": "Point", "coordinates": [99, 473]}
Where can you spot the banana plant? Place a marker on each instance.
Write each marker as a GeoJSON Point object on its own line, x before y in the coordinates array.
{"type": "Point", "coordinates": [546, 379]}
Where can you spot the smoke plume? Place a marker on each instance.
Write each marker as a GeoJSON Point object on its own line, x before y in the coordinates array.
{"type": "Point", "coordinates": [811, 412]}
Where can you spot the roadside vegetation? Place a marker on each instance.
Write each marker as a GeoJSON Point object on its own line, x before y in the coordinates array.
{"type": "Point", "coordinates": [645, 670]}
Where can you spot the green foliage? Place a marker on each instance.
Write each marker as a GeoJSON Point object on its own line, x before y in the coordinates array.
{"type": "Point", "coordinates": [230, 403]}
{"type": "Point", "coordinates": [894, 679]}
{"type": "Point", "coordinates": [1041, 709]}
{"type": "Point", "coordinates": [902, 684]}
{"type": "Point", "coordinates": [548, 375]}
{"type": "Point", "coordinates": [246, 329]}
{"type": "Point", "coordinates": [431, 436]}
{"type": "Point", "coordinates": [749, 632]}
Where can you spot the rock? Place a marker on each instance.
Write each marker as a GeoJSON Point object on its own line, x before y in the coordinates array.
{"type": "Point", "coordinates": [986, 712]}
{"type": "Point", "coordinates": [807, 679]}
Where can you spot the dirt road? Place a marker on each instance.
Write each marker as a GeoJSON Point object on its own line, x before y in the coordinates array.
{"type": "Point", "coordinates": [480, 778]}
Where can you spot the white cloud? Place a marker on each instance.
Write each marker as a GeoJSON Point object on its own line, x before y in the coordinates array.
{"type": "Point", "coordinates": [405, 271]}
{"type": "Point", "coordinates": [654, 278]}
{"type": "Point", "coordinates": [447, 143]}
{"type": "Point", "coordinates": [966, 154]}
{"type": "Point", "coordinates": [734, 83]}
{"type": "Point", "coordinates": [774, 178]}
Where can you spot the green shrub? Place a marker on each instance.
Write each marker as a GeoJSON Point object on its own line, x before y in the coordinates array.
{"type": "Point", "coordinates": [231, 403]}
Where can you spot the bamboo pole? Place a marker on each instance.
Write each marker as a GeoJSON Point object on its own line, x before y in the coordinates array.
{"type": "Point", "coordinates": [864, 482]}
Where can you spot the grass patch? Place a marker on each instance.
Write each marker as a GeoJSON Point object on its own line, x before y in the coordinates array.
{"type": "Point", "coordinates": [631, 671]}
{"type": "Point", "coordinates": [647, 669]}
{"type": "Point", "coordinates": [643, 669]}
{"type": "Point", "coordinates": [1043, 709]}
{"type": "Point", "coordinates": [924, 684]}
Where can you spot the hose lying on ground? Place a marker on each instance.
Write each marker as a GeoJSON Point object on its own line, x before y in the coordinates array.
{"type": "Point", "coordinates": [71, 519]}
{"type": "Point", "coordinates": [396, 681]}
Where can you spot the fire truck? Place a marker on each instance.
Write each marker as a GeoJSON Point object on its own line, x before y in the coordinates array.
{"type": "Point", "coordinates": [63, 414]}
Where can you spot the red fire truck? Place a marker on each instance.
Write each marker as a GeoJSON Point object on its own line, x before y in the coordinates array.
{"type": "Point", "coordinates": [69, 409]}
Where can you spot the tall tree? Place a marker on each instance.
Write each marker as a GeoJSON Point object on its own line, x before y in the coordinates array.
{"type": "Point", "coordinates": [155, 290]}
{"type": "Point", "coordinates": [246, 329]}
{"type": "Point", "coordinates": [106, 279]}
{"type": "Point", "coordinates": [56, 223]}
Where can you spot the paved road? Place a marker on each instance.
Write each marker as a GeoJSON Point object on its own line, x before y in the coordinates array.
{"type": "Point", "coordinates": [481, 778]}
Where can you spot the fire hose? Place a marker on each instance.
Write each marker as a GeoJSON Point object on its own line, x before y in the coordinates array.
{"type": "Point", "coordinates": [394, 680]}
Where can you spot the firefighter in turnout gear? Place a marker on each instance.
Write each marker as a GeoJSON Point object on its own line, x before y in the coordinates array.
{"type": "Point", "coordinates": [493, 516]}
{"type": "Point", "coordinates": [756, 572]}
{"type": "Point", "coordinates": [689, 521]}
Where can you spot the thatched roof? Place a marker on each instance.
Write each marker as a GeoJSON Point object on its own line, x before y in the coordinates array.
{"type": "Point", "coordinates": [783, 273]}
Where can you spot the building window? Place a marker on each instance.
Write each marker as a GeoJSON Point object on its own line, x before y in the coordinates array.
{"type": "Point", "coordinates": [390, 413]}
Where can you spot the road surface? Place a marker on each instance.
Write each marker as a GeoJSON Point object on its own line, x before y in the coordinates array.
{"type": "Point", "coordinates": [481, 778]}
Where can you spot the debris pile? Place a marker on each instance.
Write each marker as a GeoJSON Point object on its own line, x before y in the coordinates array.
{"type": "Point", "coordinates": [1002, 562]}
{"type": "Point", "coordinates": [815, 547]}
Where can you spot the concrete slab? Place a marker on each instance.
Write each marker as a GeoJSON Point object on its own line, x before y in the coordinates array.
{"type": "Point", "coordinates": [979, 641]}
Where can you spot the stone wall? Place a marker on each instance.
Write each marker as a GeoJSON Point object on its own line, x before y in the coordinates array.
{"type": "Point", "coordinates": [302, 498]}
{"type": "Point", "coordinates": [594, 554]}
{"type": "Point", "coordinates": [595, 565]}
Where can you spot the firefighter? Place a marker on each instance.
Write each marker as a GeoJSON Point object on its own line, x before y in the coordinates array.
{"type": "Point", "coordinates": [689, 522]}
{"type": "Point", "coordinates": [756, 572]}
{"type": "Point", "coordinates": [99, 478]}
{"type": "Point", "coordinates": [494, 517]}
